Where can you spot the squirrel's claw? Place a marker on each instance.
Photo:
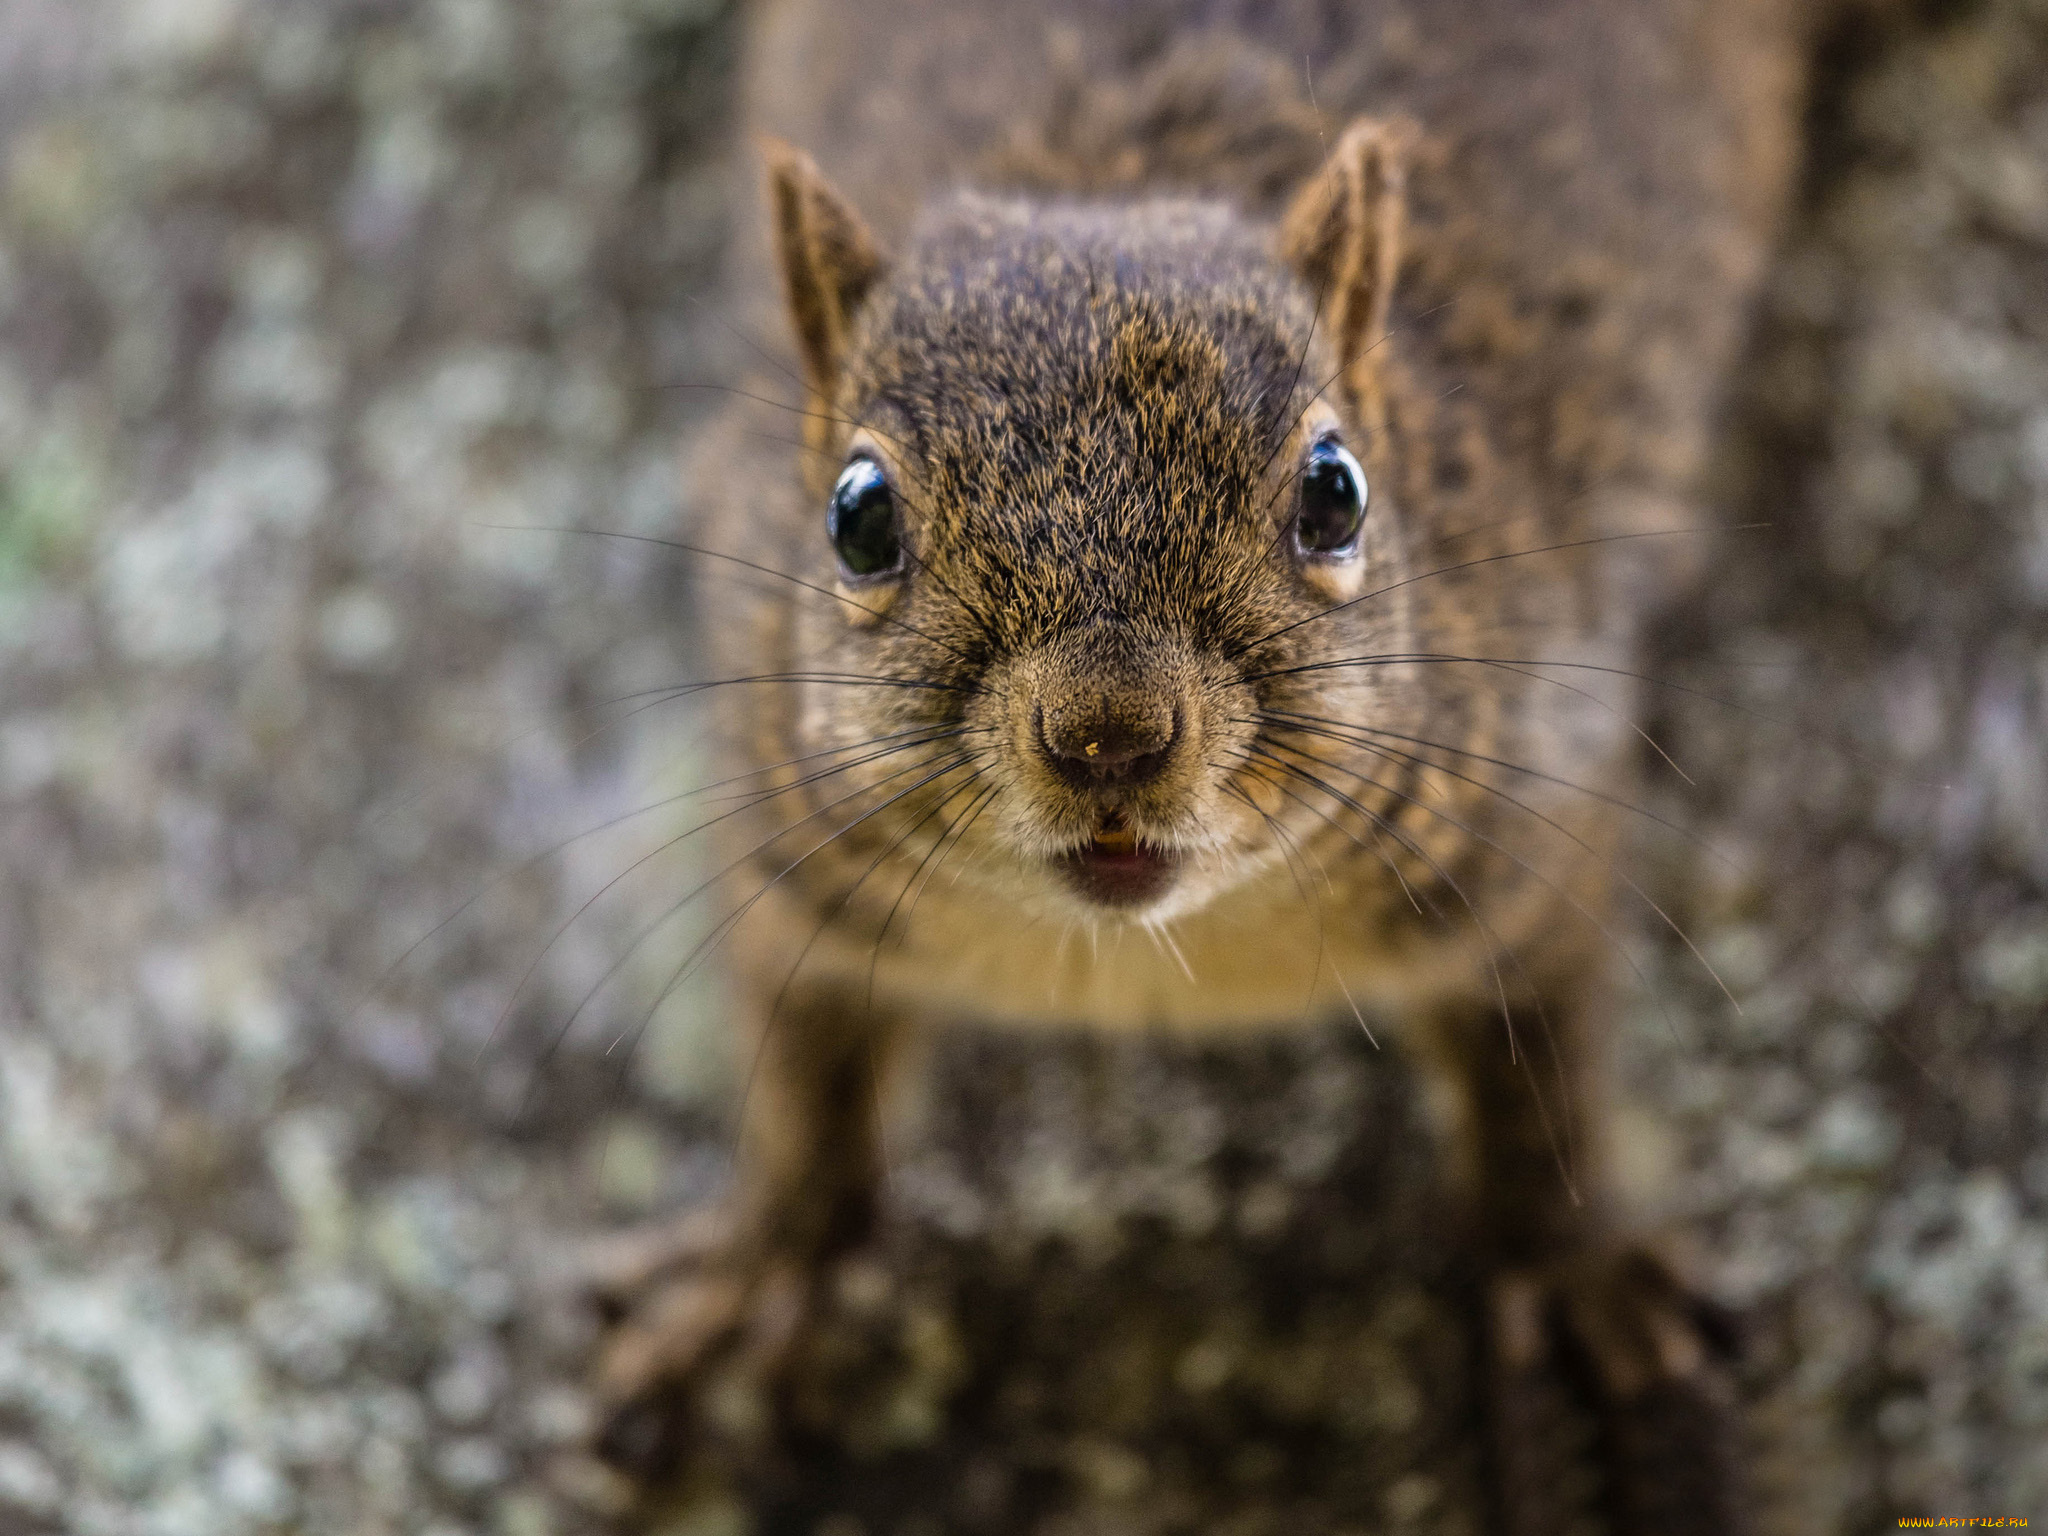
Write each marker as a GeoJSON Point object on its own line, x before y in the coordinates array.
{"type": "Point", "coordinates": [697, 1357]}
{"type": "Point", "coordinates": [617, 1272]}
{"type": "Point", "coordinates": [1611, 1393]}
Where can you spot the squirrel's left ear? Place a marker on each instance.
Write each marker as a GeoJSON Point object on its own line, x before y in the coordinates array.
{"type": "Point", "coordinates": [1343, 237]}
{"type": "Point", "coordinates": [829, 261]}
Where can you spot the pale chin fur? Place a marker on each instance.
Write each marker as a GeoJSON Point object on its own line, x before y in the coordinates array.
{"type": "Point", "coordinates": [1213, 870]}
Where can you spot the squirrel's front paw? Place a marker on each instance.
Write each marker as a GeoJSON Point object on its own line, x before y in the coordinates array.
{"type": "Point", "coordinates": [1617, 1331]}
{"type": "Point", "coordinates": [703, 1330]}
{"type": "Point", "coordinates": [736, 1351]}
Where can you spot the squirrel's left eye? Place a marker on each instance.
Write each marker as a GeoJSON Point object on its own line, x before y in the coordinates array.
{"type": "Point", "coordinates": [1332, 500]}
{"type": "Point", "coordinates": [861, 521]}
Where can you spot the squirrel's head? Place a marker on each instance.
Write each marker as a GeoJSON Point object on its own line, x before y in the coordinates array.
{"type": "Point", "coordinates": [1093, 481]}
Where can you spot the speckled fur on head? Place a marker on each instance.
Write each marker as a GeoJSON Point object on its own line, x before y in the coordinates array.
{"type": "Point", "coordinates": [1094, 418]}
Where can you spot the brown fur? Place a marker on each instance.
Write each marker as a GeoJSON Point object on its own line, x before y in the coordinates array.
{"type": "Point", "coordinates": [1110, 302]}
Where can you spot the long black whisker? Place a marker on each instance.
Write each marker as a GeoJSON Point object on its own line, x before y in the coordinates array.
{"type": "Point", "coordinates": [1265, 754]}
{"type": "Point", "coordinates": [708, 883]}
{"type": "Point", "coordinates": [751, 798]}
{"type": "Point", "coordinates": [686, 547]}
{"type": "Point", "coordinates": [929, 854]}
{"type": "Point", "coordinates": [1294, 383]}
{"type": "Point", "coordinates": [648, 698]}
{"type": "Point", "coordinates": [1281, 717]}
{"type": "Point", "coordinates": [1560, 1149]}
{"type": "Point", "coordinates": [1291, 849]}
{"type": "Point", "coordinates": [936, 808]}
{"type": "Point", "coordinates": [1336, 971]}
{"type": "Point", "coordinates": [973, 815]}
{"type": "Point", "coordinates": [1519, 668]}
{"type": "Point", "coordinates": [778, 364]}
{"type": "Point", "coordinates": [1521, 805]}
{"type": "Point", "coordinates": [705, 946]}
{"type": "Point", "coordinates": [534, 860]}
{"type": "Point", "coordinates": [1379, 847]}
{"type": "Point", "coordinates": [1519, 862]}
{"type": "Point", "coordinates": [1466, 565]}
{"type": "Point", "coordinates": [1343, 369]}
{"type": "Point", "coordinates": [782, 992]}
{"type": "Point", "coordinates": [848, 894]}
{"type": "Point", "coordinates": [1282, 440]}
{"type": "Point", "coordinates": [599, 894]}
{"type": "Point", "coordinates": [654, 698]}
{"type": "Point", "coordinates": [1592, 699]}
{"type": "Point", "coordinates": [810, 757]}
{"type": "Point", "coordinates": [783, 405]}
{"type": "Point", "coordinates": [1494, 947]}
{"type": "Point", "coordinates": [1433, 658]}
{"type": "Point", "coordinates": [703, 949]}
{"type": "Point", "coordinates": [755, 434]}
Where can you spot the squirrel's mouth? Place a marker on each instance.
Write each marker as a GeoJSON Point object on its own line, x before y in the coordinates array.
{"type": "Point", "coordinates": [1115, 869]}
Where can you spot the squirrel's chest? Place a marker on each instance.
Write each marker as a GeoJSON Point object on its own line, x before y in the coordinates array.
{"type": "Point", "coordinates": [1272, 960]}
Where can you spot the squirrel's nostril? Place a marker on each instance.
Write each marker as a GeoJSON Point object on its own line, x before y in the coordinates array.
{"type": "Point", "coordinates": [1108, 749]}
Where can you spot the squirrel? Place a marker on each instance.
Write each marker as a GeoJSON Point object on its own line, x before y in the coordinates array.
{"type": "Point", "coordinates": [1203, 533]}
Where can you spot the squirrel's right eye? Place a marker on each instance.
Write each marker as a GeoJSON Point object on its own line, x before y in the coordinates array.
{"type": "Point", "coordinates": [862, 520]}
{"type": "Point", "coordinates": [1332, 501]}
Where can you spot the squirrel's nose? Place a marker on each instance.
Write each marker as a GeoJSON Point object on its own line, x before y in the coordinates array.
{"type": "Point", "coordinates": [1111, 745]}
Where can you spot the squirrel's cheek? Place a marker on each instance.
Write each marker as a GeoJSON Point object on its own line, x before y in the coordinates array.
{"type": "Point", "coordinates": [865, 606]}
{"type": "Point", "coordinates": [1269, 798]}
{"type": "Point", "coordinates": [1335, 581]}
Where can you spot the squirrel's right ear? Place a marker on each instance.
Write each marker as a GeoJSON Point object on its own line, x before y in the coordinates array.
{"type": "Point", "coordinates": [1343, 237]}
{"type": "Point", "coordinates": [829, 260]}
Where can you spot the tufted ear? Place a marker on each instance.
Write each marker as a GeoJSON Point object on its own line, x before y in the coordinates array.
{"type": "Point", "coordinates": [1343, 237]}
{"type": "Point", "coordinates": [829, 261]}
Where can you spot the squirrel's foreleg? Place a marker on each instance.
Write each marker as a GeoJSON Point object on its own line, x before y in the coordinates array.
{"type": "Point", "coordinates": [1607, 1385]}
{"type": "Point", "coordinates": [808, 1174]}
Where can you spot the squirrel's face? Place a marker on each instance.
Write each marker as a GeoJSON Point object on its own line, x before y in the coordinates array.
{"type": "Point", "coordinates": [1093, 483]}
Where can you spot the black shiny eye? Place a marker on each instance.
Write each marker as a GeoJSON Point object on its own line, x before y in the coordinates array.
{"type": "Point", "coordinates": [1332, 500]}
{"type": "Point", "coordinates": [861, 520]}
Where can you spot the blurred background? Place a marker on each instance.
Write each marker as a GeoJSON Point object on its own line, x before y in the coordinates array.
{"type": "Point", "coordinates": [307, 306]}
